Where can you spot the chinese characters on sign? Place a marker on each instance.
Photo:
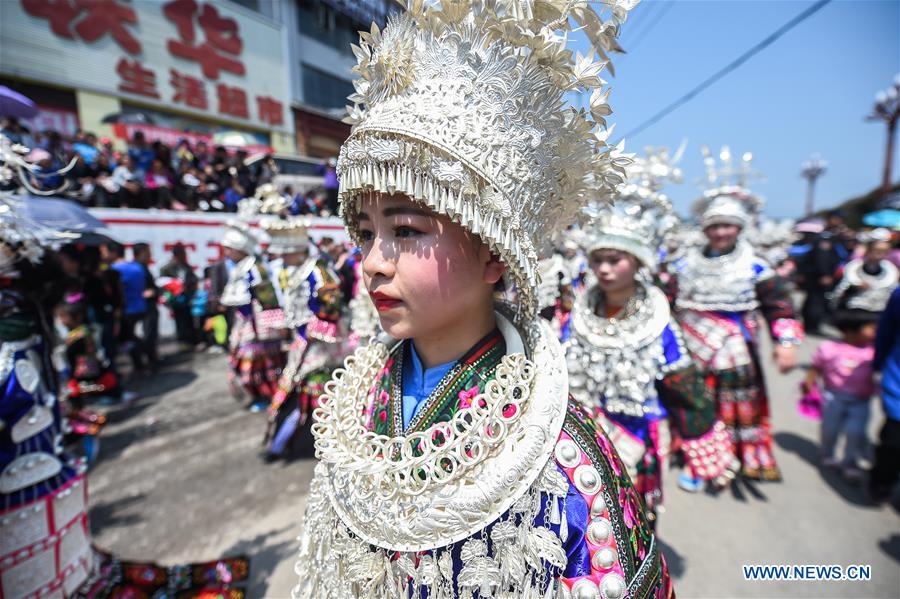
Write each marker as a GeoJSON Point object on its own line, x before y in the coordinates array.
{"type": "Point", "coordinates": [135, 79]}
{"type": "Point", "coordinates": [270, 110]}
{"type": "Point", "coordinates": [222, 47]}
{"type": "Point", "coordinates": [232, 100]}
{"type": "Point", "coordinates": [95, 18]}
{"type": "Point", "coordinates": [188, 90]}
{"type": "Point", "coordinates": [201, 35]}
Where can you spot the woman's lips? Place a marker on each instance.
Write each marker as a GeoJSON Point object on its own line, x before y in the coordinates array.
{"type": "Point", "coordinates": [385, 302]}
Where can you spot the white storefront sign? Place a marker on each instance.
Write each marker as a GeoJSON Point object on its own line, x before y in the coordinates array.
{"type": "Point", "coordinates": [210, 59]}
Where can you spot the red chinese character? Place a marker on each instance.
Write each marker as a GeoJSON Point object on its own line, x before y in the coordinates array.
{"type": "Point", "coordinates": [188, 90]}
{"type": "Point", "coordinates": [60, 14]}
{"type": "Point", "coordinates": [223, 45]}
{"type": "Point", "coordinates": [136, 79]}
{"type": "Point", "coordinates": [270, 110]}
{"type": "Point", "coordinates": [233, 101]}
{"type": "Point", "coordinates": [108, 16]}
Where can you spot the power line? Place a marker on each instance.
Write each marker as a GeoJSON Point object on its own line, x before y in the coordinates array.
{"type": "Point", "coordinates": [643, 18]}
{"type": "Point", "coordinates": [650, 25]}
{"type": "Point", "coordinates": [730, 67]}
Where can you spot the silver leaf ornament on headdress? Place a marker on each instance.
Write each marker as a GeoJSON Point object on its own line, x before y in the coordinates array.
{"type": "Point", "coordinates": [460, 106]}
{"type": "Point", "coordinates": [642, 215]}
{"type": "Point", "coordinates": [727, 200]}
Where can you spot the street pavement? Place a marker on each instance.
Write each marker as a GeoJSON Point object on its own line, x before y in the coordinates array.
{"type": "Point", "coordinates": [180, 479]}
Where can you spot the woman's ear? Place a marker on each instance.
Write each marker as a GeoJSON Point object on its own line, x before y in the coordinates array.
{"type": "Point", "coordinates": [493, 269]}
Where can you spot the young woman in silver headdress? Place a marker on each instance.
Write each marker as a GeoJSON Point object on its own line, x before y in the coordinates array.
{"type": "Point", "coordinates": [626, 354]}
{"type": "Point", "coordinates": [452, 462]}
{"type": "Point", "coordinates": [868, 281]}
{"type": "Point", "coordinates": [308, 292]}
{"type": "Point", "coordinates": [722, 288]}
{"type": "Point", "coordinates": [257, 332]}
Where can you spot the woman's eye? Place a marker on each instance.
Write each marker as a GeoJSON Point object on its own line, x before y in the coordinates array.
{"type": "Point", "coordinates": [366, 236]}
{"type": "Point", "coordinates": [405, 232]}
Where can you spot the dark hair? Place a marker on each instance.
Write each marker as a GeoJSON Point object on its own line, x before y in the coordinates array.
{"type": "Point", "coordinates": [852, 321]}
{"type": "Point", "coordinates": [115, 248]}
{"type": "Point", "coordinates": [179, 250]}
{"type": "Point", "coordinates": [75, 310]}
{"type": "Point", "coordinates": [140, 248]}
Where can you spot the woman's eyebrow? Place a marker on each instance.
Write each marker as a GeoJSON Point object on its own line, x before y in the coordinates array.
{"type": "Point", "coordinates": [362, 216]}
{"type": "Point", "coordinates": [406, 211]}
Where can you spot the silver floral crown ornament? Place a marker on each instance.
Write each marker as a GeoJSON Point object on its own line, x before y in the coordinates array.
{"type": "Point", "coordinates": [642, 215]}
{"type": "Point", "coordinates": [727, 199]}
{"type": "Point", "coordinates": [286, 235]}
{"type": "Point", "coordinates": [460, 106]}
{"type": "Point", "coordinates": [238, 236]}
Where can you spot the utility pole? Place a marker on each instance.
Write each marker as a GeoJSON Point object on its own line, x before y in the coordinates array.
{"type": "Point", "coordinates": [813, 168]}
{"type": "Point", "coordinates": [887, 109]}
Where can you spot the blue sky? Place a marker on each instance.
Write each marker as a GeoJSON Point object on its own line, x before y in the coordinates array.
{"type": "Point", "coordinates": [807, 93]}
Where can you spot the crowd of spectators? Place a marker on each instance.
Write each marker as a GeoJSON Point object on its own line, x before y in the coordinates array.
{"type": "Point", "coordinates": [152, 174]}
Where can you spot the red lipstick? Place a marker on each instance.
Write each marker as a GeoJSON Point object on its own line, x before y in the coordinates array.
{"type": "Point", "coordinates": [384, 302]}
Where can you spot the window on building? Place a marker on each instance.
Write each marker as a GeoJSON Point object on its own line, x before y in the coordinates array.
{"type": "Point", "coordinates": [321, 22]}
{"type": "Point", "coordinates": [323, 90]}
{"type": "Point", "coordinates": [251, 4]}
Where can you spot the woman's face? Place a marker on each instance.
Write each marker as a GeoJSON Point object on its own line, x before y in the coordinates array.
{"type": "Point", "coordinates": [69, 265]}
{"type": "Point", "coordinates": [877, 251]}
{"type": "Point", "coordinates": [614, 269]}
{"type": "Point", "coordinates": [722, 237]}
{"type": "Point", "coordinates": [424, 272]}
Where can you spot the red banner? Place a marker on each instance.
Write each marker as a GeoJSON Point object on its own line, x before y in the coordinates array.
{"type": "Point", "coordinates": [171, 137]}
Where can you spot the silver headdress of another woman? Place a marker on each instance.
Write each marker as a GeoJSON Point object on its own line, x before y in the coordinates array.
{"type": "Point", "coordinates": [727, 199]}
{"type": "Point", "coordinates": [461, 106]}
{"type": "Point", "coordinates": [642, 215]}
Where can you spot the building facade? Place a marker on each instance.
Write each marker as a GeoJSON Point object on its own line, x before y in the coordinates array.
{"type": "Point", "coordinates": [319, 34]}
{"type": "Point", "coordinates": [194, 68]}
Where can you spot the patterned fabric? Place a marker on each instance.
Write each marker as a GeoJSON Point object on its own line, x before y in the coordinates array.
{"type": "Point", "coordinates": [607, 538]}
{"type": "Point", "coordinates": [318, 347]}
{"type": "Point", "coordinates": [42, 492]}
{"type": "Point", "coordinates": [89, 371]}
{"type": "Point", "coordinates": [115, 579]}
{"type": "Point", "coordinates": [725, 347]}
{"type": "Point", "coordinates": [461, 383]}
{"type": "Point", "coordinates": [257, 366]}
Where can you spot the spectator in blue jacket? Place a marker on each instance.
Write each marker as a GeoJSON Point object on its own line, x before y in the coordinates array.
{"type": "Point", "coordinates": [134, 283]}
{"type": "Point", "coordinates": [886, 469]}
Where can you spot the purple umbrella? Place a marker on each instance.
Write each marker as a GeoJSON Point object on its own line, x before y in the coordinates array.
{"type": "Point", "coordinates": [15, 104]}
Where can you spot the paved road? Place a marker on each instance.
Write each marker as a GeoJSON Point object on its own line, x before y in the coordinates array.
{"type": "Point", "coordinates": [180, 479]}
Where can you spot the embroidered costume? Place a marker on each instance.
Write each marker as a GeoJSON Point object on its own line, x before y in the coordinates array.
{"type": "Point", "coordinates": [45, 540]}
{"type": "Point", "coordinates": [622, 361]}
{"type": "Point", "coordinates": [255, 342]}
{"type": "Point", "coordinates": [719, 301]}
{"type": "Point", "coordinates": [480, 480]}
{"type": "Point", "coordinates": [310, 298]}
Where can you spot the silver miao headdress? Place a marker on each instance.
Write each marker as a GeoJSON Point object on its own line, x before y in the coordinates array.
{"type": "Point", "coordinates": [286, 235]}
{"type": "Point", "coordinates": [641, 216]}
{"type": "Point", "coordinates": [238, 236]}
{"type": "Point", "coordinates": [460, 106]}
{"type": "Point", "coordinates": [727, 199]}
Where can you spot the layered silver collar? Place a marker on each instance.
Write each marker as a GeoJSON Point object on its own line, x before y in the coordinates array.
{"type": "Point", "coordinates": [399, 500]}
{"type": "Point", "coordinates": [615, 362]}
{"type": "Point", "coordinates": [721, 283]}
{"type": "Point", "coordinates": [874, 290]}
